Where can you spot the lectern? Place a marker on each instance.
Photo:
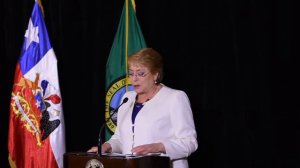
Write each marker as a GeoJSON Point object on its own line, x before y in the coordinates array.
{"type": "Point", "coordinates": [91, 160]}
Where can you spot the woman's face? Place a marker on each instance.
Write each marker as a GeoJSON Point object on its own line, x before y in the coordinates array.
{"type": "Point", "coordinates": [141, 78]}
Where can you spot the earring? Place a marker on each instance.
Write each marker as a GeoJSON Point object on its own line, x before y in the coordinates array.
{"type": "Point", "coordinates": [155, 82]}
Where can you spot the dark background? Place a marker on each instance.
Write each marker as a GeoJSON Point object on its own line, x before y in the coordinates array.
{"type": "Point", "coordinates": [237, 61]}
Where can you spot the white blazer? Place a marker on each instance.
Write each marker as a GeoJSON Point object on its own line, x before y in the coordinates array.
{"type": "Point", "coordinates": [166, 118]}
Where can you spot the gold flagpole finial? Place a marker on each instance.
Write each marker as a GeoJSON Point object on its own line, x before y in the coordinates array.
{"type": "Point", "coordinates": [41, 6]}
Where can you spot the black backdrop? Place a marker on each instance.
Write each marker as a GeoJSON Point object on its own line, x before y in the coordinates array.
{"type": "Point", "coordinates": [235, 59]}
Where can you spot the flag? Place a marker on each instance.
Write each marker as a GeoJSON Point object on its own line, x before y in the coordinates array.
{"type": "Point", "coordinates": [36, 137]}
{"type": "Point", "coordinates": [128, 39]}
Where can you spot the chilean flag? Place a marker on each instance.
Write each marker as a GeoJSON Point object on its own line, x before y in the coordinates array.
{"type": "Point", "coordinates": [36, 124]}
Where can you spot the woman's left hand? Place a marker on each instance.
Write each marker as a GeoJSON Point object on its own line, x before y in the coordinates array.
{"type": "Point", "coordinates": [148, 148]}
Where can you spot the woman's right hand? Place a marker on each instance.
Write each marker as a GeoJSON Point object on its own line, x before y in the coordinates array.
{"type": "Point", "coordinates": [105, 147]}
{"type": "Point", "coordinates": [93, 149]}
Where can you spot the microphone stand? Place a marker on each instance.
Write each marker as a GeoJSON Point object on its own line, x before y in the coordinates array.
{"type": "Point", "coordinates": [104, 125]}
{"type": "Point", "coordinates": [100, 138]}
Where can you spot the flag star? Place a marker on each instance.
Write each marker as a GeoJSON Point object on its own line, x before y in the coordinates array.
{"type": "Point", "coordinates": [31, 34]}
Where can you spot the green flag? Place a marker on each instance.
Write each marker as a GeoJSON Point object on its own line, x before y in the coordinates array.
{"type": "Point", "coordinates": [128, 39]}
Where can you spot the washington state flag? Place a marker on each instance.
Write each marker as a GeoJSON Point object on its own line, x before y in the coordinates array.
{"type": "Point", "coordinates": [128, 39]}
{"type": "Point", "coordinates": [36, 125]}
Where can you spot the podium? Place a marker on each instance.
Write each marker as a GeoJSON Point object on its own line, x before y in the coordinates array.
{"type": "Point", "coordinates": [92, 160]}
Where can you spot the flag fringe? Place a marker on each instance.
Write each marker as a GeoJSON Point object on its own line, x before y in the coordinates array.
{"type": "Point", "coordinates": [11, 162]}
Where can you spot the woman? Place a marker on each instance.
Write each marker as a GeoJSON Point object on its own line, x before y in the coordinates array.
{"type": "Point", "coordinates": [156, 118]}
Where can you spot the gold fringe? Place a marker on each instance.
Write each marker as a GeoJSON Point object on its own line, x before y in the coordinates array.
{"type": "Point", "coordinates": [133, 4]}
{"type": "Point", "coordinates": [11, 162]}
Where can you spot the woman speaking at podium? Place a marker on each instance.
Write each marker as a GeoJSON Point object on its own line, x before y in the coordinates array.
{"type": "Point", "coordinates": [156, 118]}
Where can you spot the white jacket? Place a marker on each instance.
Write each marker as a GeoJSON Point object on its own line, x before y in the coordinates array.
{"type": "Point", "coordinates": [166, 118]}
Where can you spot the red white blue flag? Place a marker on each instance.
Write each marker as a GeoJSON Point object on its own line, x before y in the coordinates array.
{"type": "Point", "coordinates": [36, 125]}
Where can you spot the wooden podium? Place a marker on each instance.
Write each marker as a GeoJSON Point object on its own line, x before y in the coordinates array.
{"type": "Point", "coordinates": [91, 160]}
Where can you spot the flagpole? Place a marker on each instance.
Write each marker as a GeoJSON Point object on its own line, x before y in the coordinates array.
{"type": "Point", "coordinates": [126, 47]}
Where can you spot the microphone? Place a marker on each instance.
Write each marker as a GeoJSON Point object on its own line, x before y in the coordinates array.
{"type": "Point", "coordinates": [104, 124]}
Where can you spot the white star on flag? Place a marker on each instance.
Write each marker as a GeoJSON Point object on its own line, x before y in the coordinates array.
{"type": "Point", "coordinates": [31, 34]}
